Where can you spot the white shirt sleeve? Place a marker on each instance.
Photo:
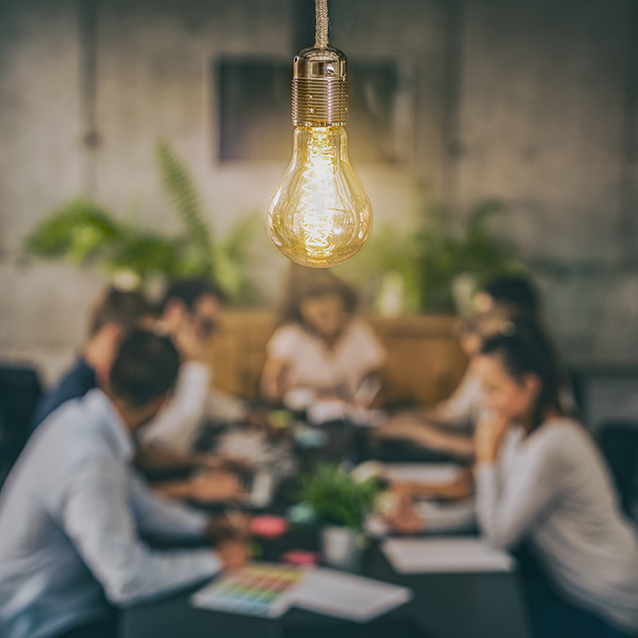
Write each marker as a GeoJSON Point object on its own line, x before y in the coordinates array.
{"type": "Point", "coordinates": [158, 514]}
{"type": "Point", "coordinates": [508, 504]}
{"type": "Point", "coordinates": [283, 342]}
{"type": "Point", "coordinates": [97, 516]}
{"type": "Point", "coordinates": [177, 424]}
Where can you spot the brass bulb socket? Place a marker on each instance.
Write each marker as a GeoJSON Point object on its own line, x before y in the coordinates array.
{"type": "Point", "coordinates": [319, 88]}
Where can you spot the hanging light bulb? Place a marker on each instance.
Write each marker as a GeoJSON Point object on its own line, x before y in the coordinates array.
{"type": "Point", "coordinates": [319, 214]}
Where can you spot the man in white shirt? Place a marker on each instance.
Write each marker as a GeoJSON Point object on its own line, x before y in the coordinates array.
{"type": "Point", "coordinates": [72, 510]}
{"type": "Point", "coordinates": [190, 312]}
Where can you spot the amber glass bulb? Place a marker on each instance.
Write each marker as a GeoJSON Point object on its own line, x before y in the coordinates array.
{"type": "Point", "coordinates": [319, 214]}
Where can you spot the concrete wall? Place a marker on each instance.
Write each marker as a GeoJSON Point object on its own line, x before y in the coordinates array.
{"type": "Point", "coordinates": [530, 102]}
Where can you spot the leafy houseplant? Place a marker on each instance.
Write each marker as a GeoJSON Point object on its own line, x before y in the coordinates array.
{"type": "Point", "coordinates": [445, 255]}
{"type": "Point", "coordinates": [86, 233]}
{"type": "Point", "coordinates": [337, 498]}
{"type": "Point", "coordinates": [432, 254]}
{"type": "Point", "coordinates": [341, 504]}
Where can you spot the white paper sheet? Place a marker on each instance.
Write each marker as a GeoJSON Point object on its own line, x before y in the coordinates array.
{"type": "Point", "coordinates": [343, 595]}
{"type": "Point", "coordinates": [440, 555]}
{"type": "Point", "coordinates": [432, 473]}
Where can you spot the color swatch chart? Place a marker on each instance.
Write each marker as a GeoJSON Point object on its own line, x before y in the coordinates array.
{"type": "Point", "coordinates": [260, 589]}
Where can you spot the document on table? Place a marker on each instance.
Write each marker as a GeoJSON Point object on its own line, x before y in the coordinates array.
{"type": "Point", "coordinates": [431, 473]}
{"type": "Point", "coordinates": [343, 595]}
{"type": "Point", "coordinates": [441, 555]}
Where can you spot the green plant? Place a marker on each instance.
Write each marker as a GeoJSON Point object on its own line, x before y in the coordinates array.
{"type": "Point", "coordinates": [86, 233]}
{"type": "Point", "coordinates": [430, 254]}
{"type": "Point", "coordinates": [337, 498]}
{"type": "Point", "coordinates": [445, 254]}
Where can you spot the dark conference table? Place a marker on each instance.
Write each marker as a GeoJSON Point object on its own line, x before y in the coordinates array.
{"type": "Point", "coordinates": [473, 605]}
{"type": "Point", "coordinates": [479, 605]}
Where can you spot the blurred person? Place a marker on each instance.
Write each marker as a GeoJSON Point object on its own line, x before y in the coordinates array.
{"type": "Point", "coordinates": [516, 295]}
{"type": "Point", "coordinates": [114, 314]}
{"type": "Point", "coordinates": [190, 313]}
{"type": "Point", "coordinates": [447, 428]}
{"type": "Point", "coordinates": [540, 478]}
{"type": "Point", "coordinates": [72, 510]}
{"type": "Point", "coordinates": [321, 346]}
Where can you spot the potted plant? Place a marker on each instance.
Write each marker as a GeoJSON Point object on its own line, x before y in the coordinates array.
{"type": "Point", "coordinates": [340, 503]}
{"type": "Point", "coordinates": [84, 232]}
{"type": "Point", "coordinates": [433, 264]}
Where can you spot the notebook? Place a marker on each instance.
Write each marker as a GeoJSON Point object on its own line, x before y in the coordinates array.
{"type": "Point", "coordinates": [444, 555]}
{"type": "Point", "coordinates": [343, 595]}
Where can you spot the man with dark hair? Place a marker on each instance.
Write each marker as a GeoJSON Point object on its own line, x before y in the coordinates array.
{"type": "Point", "coordinates": [115, 313]}
{"type": "Point", "coordinates": [72, 510]}
{"type": "Point", "coordinates": [190, 313]}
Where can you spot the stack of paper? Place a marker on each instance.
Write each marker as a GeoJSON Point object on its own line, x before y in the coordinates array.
{"type": "Point", "coordinates": [439, 555]}
{"type": "Point", "coordinates": [343, 595]}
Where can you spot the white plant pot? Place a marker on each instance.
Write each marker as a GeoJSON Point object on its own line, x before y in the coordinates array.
{"type": "Point", "coordinates": [342, 547]}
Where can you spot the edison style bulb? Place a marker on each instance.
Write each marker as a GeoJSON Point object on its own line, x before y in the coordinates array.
{"type": "Point", "coordinates": [319, 214]}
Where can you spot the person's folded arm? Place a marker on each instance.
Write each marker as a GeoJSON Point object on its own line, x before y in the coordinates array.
{"type": "Point", "coordinates": [507, 506]}
{"type": "Point", "coordinates": [96, 513]}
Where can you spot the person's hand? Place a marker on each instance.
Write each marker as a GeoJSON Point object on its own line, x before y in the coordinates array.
{"type": "Point", "coordinates": [223, 462]}
{"type": "Point", "coordinates": [190, 344]}
{"type": "Point", "coordinates": [228, 525]}
{"type": "Point", "coordinates": [232, 553]}
{"type": "Point", "coordinates": [488, 436]}
{"type": "Point", "coordinates": [404, 519]}
{"type": "Point", "coordinates": [213, 486]}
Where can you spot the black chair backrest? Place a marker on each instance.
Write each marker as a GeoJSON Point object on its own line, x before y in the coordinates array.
{"type": "Point", "coordinates": [20, 391]}
{"type": "Point", "coordinates": [618, 441]}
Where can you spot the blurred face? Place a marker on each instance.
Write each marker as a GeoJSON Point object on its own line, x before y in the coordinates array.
{"type": "Point", "coordinates": [470, 344]}
{"type": "Point", "coordinates": [325, 315]}
{"type": "Point", "coordinates": [482, 302]}
{"type": "Point", "coordinates": [509, 397]}
{"type": "Point", "coordinates": [202, 319]}
{"type": "Point", "coordinates": [205, 316]}
{"type": "Point", "coordinates": [136, 417]}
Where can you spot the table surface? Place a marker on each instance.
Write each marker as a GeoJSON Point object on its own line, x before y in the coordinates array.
{"type": "Point", "coordinates": [474, 605]}
{"type": "Point", "coordinates": [479, 605]}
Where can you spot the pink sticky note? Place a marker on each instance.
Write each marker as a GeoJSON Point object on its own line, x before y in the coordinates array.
{"type": "Point", "coordinates": [268, 526]}
{"type": "Point", "coordinates": [301, 557]}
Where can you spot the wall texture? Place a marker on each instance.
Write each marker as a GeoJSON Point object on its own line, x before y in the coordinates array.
{"type": "Point", "coordinates": [535, 103]}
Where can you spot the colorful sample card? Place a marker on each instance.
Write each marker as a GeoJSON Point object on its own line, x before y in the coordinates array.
{"type": "Point", "coordinates": [259, 589]}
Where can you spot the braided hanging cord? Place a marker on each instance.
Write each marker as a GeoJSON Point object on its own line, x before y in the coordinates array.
{"type": "Point", "coordinates": [321, 34]}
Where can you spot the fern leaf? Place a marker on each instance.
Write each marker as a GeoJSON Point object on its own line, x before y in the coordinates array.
{"type": "Point", "coordinates": [181, 190]}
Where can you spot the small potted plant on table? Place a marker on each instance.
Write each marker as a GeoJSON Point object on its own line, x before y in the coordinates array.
{"type": "Point", "coordinates": [340, 504]}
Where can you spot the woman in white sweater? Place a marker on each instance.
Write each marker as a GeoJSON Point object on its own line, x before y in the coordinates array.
{"type": "Point", "coordinates": [541, 480]}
